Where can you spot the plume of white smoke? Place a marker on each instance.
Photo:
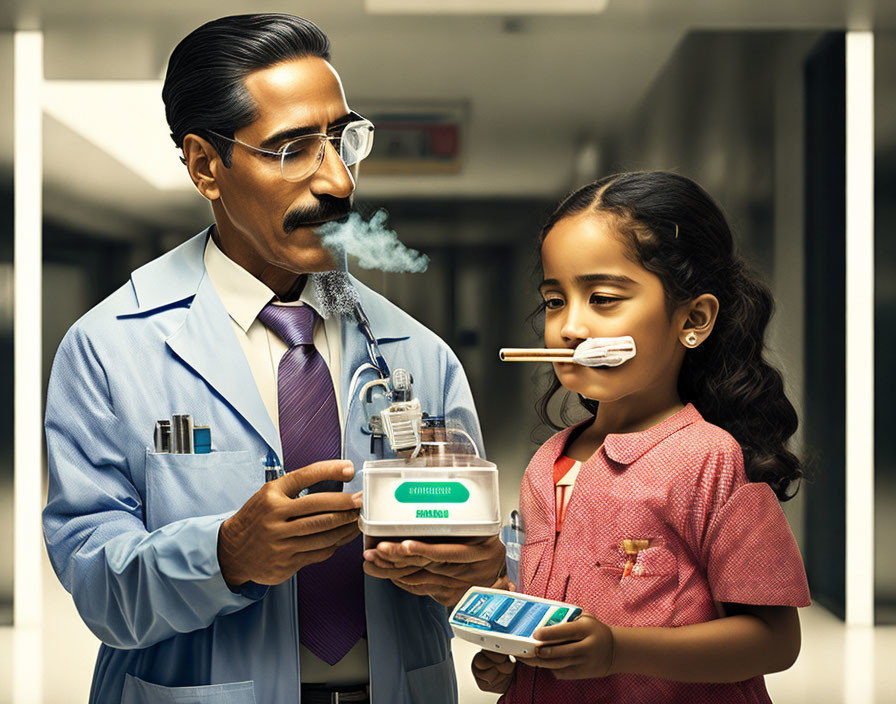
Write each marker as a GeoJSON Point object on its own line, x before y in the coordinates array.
{"type": "Point", "coordinates": [372, 243]}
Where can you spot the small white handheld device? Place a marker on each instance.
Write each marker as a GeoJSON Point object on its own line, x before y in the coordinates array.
{"type": "Point", "coordinates": [505, 621]}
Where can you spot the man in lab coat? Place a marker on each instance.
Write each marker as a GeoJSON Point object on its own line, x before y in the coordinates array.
{"type": "Point", "coordinates": [202, 582]}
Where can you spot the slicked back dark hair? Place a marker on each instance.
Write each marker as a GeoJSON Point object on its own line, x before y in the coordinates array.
{"type": "Point", "coordinates": [205, 83]}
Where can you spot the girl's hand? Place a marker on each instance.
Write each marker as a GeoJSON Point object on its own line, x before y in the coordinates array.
{"type": "Point", "coordinates": [576, 650]}
{"type": "Point", "coordinates": [493, 671]}
{"type": "Point", "coordinates": [504, 584]}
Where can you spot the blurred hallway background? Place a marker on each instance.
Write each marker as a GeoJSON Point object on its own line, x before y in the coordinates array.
{"type": "Point", "coordinates": [747, 98]}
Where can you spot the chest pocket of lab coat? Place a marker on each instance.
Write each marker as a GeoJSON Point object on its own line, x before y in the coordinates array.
{"type": "Point", "coordinates": [136, 691]}
{"type": "Point", "coordinates": [185, 486]}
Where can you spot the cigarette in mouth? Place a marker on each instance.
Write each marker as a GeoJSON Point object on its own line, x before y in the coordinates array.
{"type": "Point", "coordinates": [537, 354]}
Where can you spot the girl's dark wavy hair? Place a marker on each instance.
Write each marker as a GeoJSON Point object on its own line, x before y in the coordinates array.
{"type": "Point", "coordinates": [205, 86]}
{"type": "Point", "coordinates": [674, 229]}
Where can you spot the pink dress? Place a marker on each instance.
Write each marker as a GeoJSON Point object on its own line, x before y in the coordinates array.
{"type": "Point", "coordinates": [678, 491]}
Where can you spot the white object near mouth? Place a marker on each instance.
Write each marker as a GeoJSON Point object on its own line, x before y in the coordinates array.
{"type": "Point", "coordinates": [604, 351]}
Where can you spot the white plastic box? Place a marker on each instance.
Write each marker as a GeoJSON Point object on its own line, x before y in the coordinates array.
{"type": "Point", "coordinates": [440, 495]}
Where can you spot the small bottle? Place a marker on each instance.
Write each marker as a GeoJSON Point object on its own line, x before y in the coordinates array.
{"type": "Point", "coordinates": [202, 439]}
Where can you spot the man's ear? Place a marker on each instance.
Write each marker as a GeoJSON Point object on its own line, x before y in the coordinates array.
{"type": "Point", "coordinates": [701, 318]}
{"type": "Point", "coordinates": [202, 162]}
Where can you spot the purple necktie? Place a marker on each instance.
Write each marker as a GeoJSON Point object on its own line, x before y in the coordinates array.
{"type": "Point", "coordinates": [331, 593]}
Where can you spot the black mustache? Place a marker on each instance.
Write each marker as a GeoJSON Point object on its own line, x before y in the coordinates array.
{"type": "Point", "coordinates": [328, 208]}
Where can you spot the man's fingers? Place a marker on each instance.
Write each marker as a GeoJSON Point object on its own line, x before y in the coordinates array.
{"type": "Point", "coordinates": [419, 590]}
{"type": "Point", "coordinates": [387, 572]}
{"type": "Point", "coordinates": [426, 577]}
{"type": "Point", "coordinates": [447, 552]}
{"type": "Point", "coordinates": [394, 566]}
{"type": "Point", "coordinates": [319, 523]}
{"type": "Point", "coordinates": [382, 564]}
{"type": "Point", "coordinates": [314, 556]}
{"type": "Point", "coordinates": [396, 552]}
{"type": "Point", "coordinates": [324, 502]}
{"type": "Point", "coordinates": [449, 569]}
{"type": "Point", "coordinates": [295, 481]}
{"type": "Point", "coordinates": [326, 539]}
{"type": "Point", "coordinates": [380, 557]}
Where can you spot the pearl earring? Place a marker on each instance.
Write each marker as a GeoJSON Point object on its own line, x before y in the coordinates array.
{"type": "Point", "coordinates": [691, 339]}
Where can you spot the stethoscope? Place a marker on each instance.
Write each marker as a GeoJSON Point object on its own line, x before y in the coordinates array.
{"type": "Point", "coordinates": [395, 391]}
{"type": "Point", "coordinates": [377, 361]}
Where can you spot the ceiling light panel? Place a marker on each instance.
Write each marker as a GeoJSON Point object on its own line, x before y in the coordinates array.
{"type": "Point", "coordinates": [126, 119]}
{"type": "Point", "coordinates": [485, 7]}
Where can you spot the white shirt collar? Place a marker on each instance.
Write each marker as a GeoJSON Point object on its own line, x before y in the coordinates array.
{"type": "Point", "coordinates": [241, 293]}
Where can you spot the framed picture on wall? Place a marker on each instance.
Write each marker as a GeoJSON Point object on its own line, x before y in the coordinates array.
{"type": "Point", "coordinates": [415, 138]}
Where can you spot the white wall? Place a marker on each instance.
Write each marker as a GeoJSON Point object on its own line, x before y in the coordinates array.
{"type": "Point", "coordinates": [6, 283]}
{"type": "Point", "coordinates": [728, 112]}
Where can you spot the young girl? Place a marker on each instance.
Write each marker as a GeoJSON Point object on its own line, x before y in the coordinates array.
{"type": "Point", "coordinates": [659, 515]}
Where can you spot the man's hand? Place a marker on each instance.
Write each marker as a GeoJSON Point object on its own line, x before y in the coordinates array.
{"type": "Point", "coordinates": [576, 650]}
{"type": "Point", "coordinates": [493, 672]}
{"type": "Point", "coordinates": [274, 534]}
{"type": "Point", "coordinates": [443, 571]}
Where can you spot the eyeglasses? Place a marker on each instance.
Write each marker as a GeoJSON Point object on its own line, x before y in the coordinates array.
{"type": "Point", "coordinates": [303, 156]}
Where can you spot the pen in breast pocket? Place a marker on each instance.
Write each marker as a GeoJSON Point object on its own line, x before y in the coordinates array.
{"type": "Point", "coordinates": [182, 434]}
{"type": "Point", "coordinates": [272, 468]}
{"type": "Point", "coordinates": [162, 436]}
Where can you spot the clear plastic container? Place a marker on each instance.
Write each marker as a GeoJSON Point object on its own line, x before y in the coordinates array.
{"type": "Point", "coordinates": [435, 495]}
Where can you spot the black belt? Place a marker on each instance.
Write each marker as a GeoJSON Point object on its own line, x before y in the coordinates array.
{"type": "Point", "coordinates": [339, 694]}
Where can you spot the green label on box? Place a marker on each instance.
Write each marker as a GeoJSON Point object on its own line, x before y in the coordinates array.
{"type": "Point", "coordinates": [432, 493]}
{"type": "Point", "coordinates": [432, 513]}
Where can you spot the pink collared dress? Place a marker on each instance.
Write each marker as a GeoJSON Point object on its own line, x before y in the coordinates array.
{"type": "Point", "coordinates": [659, 525]}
